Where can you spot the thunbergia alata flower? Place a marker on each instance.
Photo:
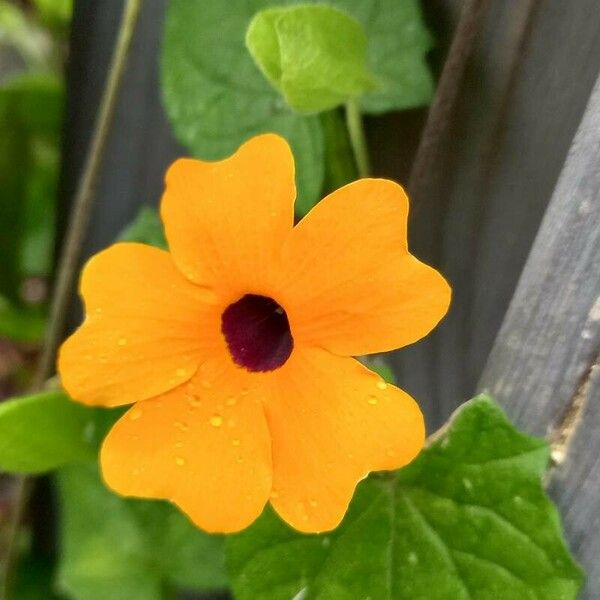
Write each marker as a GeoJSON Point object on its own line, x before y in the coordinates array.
{"type": "Point", "coordinates": [235, 347]}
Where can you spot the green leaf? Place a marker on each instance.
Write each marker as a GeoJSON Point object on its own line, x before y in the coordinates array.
{"type": "Point", "coordinates": [217, 98]}
{"type": "Point", "coordinates": [56, 14]}
{"type": "Point", "coordinates": [30, 117]}
{"type": "Point", "coordinates": [114, 548]}
{"type": "Point", "coordinates": [378, 364]}
{"type": "Point", "coordinates": [315, 55]}
{"type": "Point", "coordinates": [19, 323]}
{"type": "Point", "coordinates": [146, 228]}
{"type": "Point", "coordinates": [44, 431]}
{"type": "Point", "coordinates": [467, 520]}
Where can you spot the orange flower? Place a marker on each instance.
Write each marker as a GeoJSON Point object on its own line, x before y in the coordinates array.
{"type": "Point", "coordinates": [235, 346]}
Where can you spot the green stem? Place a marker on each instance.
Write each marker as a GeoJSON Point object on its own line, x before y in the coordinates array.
{"type": "Point", "coordinates": [69, 259]}
{"type": "Point", "coordinates": [340, 165]}
{"type": "Point", "coordinates": [84, 197]}
{"type": "Point", "coordinates": [358, 141]}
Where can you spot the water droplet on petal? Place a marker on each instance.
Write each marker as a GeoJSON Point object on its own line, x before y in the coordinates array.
{"type": "Point", "coordinates": [181, 372]}
{"type": "Point", "coordinates": [122, 341]}
{"type": "Point", "coordinates": [231, 401]}
{"type": "Point", "coordinates": [313, 502]}
{"type": "Point", "coordinates": [179, 461]}
{"type": "Point", "coordinates": [194, 400]}
{"type": "Point", "coordinates": [244, 392]}
{"type": "Point", "coordinates": [135, 413]}
{"type": "Point", "coordinates": [178, 444]}
{"type": "Point", "coordinates": [372, 400]}
{"type": "Point", "coordinates": [382, 385]}
{"type": "Point", "coordinates": [216, 420]}
{"type": "Point", "coordinates": [181, 426]}
{"type": "Point", "coordinates": [235, 442]}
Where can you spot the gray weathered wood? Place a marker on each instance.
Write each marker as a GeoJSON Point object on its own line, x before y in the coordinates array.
{"type": "Point", "coordinates": [544, 366]}
{"type": "Point", "coordinates": [526, 86]}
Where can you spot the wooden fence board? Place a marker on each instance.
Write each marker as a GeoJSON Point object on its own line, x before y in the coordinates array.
{"type": "Point", "coordinates": [526, 86]}
{"type": "Point", "coordinates": [544, 367]}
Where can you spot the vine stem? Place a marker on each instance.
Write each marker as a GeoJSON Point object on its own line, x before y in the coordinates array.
{"type": "Point", "coordinates": [71, 253]}
{"type": "Point", "coordinates": [358, 141]}
{"type": "Point", "coordinates": [84, 197]}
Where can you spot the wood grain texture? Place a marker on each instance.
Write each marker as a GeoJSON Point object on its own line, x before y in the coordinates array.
{"type": "Point", "coordinates": [544, 366]}
{"type": "Point", "coordinates": [527, 83]}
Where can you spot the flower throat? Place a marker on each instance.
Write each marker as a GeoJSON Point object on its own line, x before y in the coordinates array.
{"type": "Point", "coordinates": [257, 332]}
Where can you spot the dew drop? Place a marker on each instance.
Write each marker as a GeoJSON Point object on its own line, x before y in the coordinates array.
{"type": "Point", "coordinates": [313, 502]}
{"type": "Point", "coordinates": [235, 442]}
{"type": "Point", "coordinates": [181, 372]}
{"type": "Point", "coordinates": [122, 341]}
{"type": "Point", "coordinates": [178, 444]}
{"type": "Point", "coordinates": [231, 401]}
{"type": "Point", "coordinates": [413, 559]}
{"type": "Point", "coordinates": [244, 392]}
{"type": "Point", "coordinates": [181, 426]}
{"type": "Point", "coordinates": [326, 542]}
{"type": "Point", "coordinates": [372, 400]}
{"type": "Point", "coordinates": [381, 385]}
{"type": "Point", "coordinates": [135, 413]}
{"type": "Point", "coordinates": [179, 461]}
{"type": "Point", "coordinates": [216, 420]}
{"type": "Point", "coordinates": [194, 401]}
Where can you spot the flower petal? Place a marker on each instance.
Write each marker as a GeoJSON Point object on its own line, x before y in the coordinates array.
{"type": "Point", "coordinates": [350, 284]}
{"type": "Point", "coordinates": [207, 449]}
{"type": "Point", "coordinates": [147, 328]}
{"type": "Point", "coordinates": [332, 422]}
{"type": "Point", "coordinates": [226, 221]}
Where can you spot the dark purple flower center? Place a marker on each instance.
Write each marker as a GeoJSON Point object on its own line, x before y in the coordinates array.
{"type": "Point", "coordinates": [257, 332]}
